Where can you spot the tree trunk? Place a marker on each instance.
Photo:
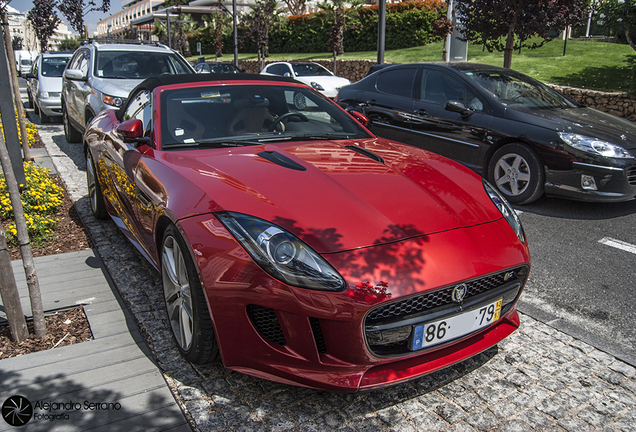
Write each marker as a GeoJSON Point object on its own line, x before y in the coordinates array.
{"type": "Point", "coordinates": [510, 41]}
{"type": "Point", "coordinates": [9, 294]}
{"type": "Point", "coordinates": [629, 39]}
{"type": "Point", "coordinates": [26, 153]}
{"type": "Point", "coordinates": [39, 326]}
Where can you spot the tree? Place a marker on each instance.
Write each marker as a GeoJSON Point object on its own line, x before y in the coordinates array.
{"type": "Point", "coordinates": [619, 16]}
{"type": "Point", "coordinates": [215, 28]}
{"type": "Point", "coordinates": [179, 33]}
{"type": "Point", "coordinates": [44, 21]}
{"type": "Point", "coordinates": [257, 24]}
{"type": "Point", "coordinates": [496, 23]}
{"type": "Point", "coordinates": [337, 12]}
{"type": "Point", "coordinates": [296, 7]}
{"type": "Point", "coordinates": [68, 44]}
{"type": "Point", "coordinates": [16, 43]}
{"type": "Point", "coordinates": [76, 10]}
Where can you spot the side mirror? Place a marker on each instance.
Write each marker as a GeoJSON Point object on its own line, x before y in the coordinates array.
{"type": "Point", "coordinates": [361, 118]}
{"type": "Point", "coordinates": [458, 107]}
{"type": "Point", "coordinates": [29, 75]}
{"type": "Point", "coordinates": [132, 131]}
{"type": "Point", "coordinates": [75, 75]}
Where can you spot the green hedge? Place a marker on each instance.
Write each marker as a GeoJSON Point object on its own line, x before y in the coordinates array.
{"type": "Point", "coordinates": [408, 24]}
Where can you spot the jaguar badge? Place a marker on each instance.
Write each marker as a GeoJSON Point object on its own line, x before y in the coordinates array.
{"type": "Point", "coordinates": [459, 292]}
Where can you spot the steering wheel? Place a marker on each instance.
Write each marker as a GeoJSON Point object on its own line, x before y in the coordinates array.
{"type": "Point", "coordinates": [519, 96]}
{"type": "Point", "coordinates": [278, 120]}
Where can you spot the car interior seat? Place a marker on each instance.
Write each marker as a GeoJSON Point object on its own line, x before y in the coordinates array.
{"type": "Point", "coordinates": [250, 115]}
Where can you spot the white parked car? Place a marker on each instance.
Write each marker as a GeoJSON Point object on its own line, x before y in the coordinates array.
{"type": "Point", "coordinates": [44, 84]}
{"type": "Point", "coordinates": [311, 74]}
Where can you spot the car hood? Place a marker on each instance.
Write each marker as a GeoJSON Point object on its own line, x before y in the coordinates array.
{"type": "Point", "coordinates": [325, 81]}
{"type": "Point", "coordinates": [115, 87]}
{"type": "Point", "coordinates": [334, 198]}
{"type": "Point", "coordinates": [585, 121]}
{"type": "Point", "coordinates": [50, 84]}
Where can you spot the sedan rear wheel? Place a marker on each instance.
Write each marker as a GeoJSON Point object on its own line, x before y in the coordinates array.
{"type": "Point", "coordinates": [95, 196]}
{"type": "Point", "coordinates": [70, 133]}
{"type": "Point", "coordinates": [518, 173]}
{"type": "Point", "coordinates": [185, 302]}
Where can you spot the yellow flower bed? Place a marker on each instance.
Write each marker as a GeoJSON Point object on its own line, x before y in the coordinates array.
{"type": "Point", "coordinates": [32, 131]}
{"type": "Point", "coordinates": [41, 199]}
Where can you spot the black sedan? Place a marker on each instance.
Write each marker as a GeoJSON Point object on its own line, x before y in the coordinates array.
{"type": "Point", "coordinates": [216, 67]}
{"type": "Point", "coordinates": [523, 136]}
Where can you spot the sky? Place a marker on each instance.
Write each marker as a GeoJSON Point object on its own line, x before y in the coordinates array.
{"type": "Point", "coordinates": [90, 20]}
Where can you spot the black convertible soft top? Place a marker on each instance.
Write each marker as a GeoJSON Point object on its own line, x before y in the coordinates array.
{"type": "Point", "coordinates": [169, 79]}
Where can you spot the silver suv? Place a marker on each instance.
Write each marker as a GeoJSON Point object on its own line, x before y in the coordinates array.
{"type": "Point", "coordinates": [100, 76]}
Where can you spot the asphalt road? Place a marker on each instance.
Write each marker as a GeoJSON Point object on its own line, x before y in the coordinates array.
{"type": "Point", "coordinates": [583, 277]}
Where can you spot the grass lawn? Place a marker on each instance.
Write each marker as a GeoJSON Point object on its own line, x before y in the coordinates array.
{"type": "Point", "coordinates": [587, 64]}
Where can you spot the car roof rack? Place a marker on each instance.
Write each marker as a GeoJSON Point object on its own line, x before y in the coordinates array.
{"type": "Point", "coordinates": [98, 41]}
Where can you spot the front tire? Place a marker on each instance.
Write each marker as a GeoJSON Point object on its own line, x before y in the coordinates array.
{"type": "Point", "coordinates": [44, 118]}
{"type": "Point", "coordinates": [518, 173]}
{"type": "Point", "coordinates": [95, 196]}
{"type": "Point", "coordinates": [70, 133]}
{"type": "Point", "coordinates": [185, 302]}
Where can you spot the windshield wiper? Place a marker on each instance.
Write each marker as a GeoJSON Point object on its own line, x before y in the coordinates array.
{"type": "Point", "coordinates": [320, 136]}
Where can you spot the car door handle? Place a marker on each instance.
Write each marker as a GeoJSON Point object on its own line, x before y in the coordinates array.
{"type": "Point", "coordinates": [420, 112]}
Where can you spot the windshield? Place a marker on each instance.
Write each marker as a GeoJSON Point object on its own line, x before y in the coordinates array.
{"type": "Point", "coordinates": [310, 69]}
{"type": "Point", "coordinates": [235, 115]}
{"type": "Point", "coordinates": [137, 64]}
{"type": "Point", "coordinates": [25, 62]}
{"type": "Point", "coordinates": [519, 91]}
{"type": "Point", "coordinates": [54, 66]}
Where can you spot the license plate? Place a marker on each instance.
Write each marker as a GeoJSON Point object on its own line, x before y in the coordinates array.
{"type": "Point", "coordinates": [437, 332]}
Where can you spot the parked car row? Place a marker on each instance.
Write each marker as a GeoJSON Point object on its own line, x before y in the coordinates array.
{"type": "Point", "coordinates": [313, 245]}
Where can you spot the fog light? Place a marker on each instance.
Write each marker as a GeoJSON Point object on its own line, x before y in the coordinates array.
{"type": "Point", "coordinates": [588, 182]}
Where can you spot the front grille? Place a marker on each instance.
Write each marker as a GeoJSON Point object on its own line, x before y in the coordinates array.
{"type": "Point", "coordinates": [422, 302]}
{"type": "Point", "coordinates": [395, 340]}
{"type": "Point", "coordinates": [266, 323]}
{"type": "Point", "coordinates": [631, 176]}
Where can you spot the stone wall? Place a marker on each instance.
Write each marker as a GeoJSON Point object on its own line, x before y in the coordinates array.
{"type": "Point", "coordinates": [620, 104]}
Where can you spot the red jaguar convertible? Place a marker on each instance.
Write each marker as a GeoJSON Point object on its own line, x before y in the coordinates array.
{"type": "Point", "coordinates": [297, 246]}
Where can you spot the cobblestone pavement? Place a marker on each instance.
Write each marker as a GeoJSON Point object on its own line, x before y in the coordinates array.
{"type": "Point", "coordinates": [537, 379]}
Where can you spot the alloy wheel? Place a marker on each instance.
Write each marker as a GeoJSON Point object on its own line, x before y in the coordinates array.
{"type": "Point", "coordinates": [512, 174]}
{"type": "Point", "coordinates": [176, 290]}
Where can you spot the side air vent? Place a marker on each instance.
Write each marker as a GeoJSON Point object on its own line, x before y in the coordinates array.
{"type": "Point", "coordinates": [318, 337]}
{"type": "Point", "coordinates": [282, 160]}
{"type": "Point", "coordinates": [266, 323]}
{"type": "Point", "coordinates": [365, 152]}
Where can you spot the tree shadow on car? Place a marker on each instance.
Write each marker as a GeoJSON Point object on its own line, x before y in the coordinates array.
{"type": "Point", "coordinates": [569, 209]}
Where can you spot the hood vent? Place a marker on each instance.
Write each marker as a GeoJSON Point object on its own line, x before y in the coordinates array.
{"type": "Point", "coordinates": [282, 160]}
{"type": "Point", "coordinates": [365, 152]}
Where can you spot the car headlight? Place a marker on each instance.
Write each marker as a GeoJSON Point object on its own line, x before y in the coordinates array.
{"type": "Point", "coordinates": [317, 86]}
{"type": "Point", "coordinates": [112, 100]}
{"type": "Point", "coordinates": [506, 210]}
{"type": "Point", "coordinates": [281, 254]}
{"type": "Point", "coordinates": [595, 146]}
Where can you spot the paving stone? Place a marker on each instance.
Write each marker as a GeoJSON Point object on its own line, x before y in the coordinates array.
{"type": "Point", "coordinates": [482, 420]}
{"type": "Point", "coordinates": [450, 412]}
{"type": "Point", "coordinates": [513, 426]}
{"type": "Point", "coordinates": [536, 419]}
{"type": "Point", "coordinates": [551, 384]}
{"type": "Point", "coordinates": [429, 422]}
{"type": "Point", "coordinates": [504, 409]}
{"type": "Point", "coordinates": [552, 408]}
{"type": "Point", "coordinates": [574, 424]}
{"type": "Point", "coordinates": [593, 417]}
{"type": "Point", "coordinates": [623, 396]}
{"type": "Point", "coordinates": [611, 377]}
{"type": "Point", "coordinates": [623, 368]}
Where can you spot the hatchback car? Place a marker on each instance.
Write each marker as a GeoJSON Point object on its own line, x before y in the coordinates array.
{"type": "Point", "coordinates": [312, 74]}
{"type": "Point", "coordinates": [100, 76]}
{"type": "Point", "coordinates": [523, 136]}
{"type": "Point", "coordinates": [216, 67]}
{"type": "Point", "coordinates": [296, 245]}
{"type": "Point", "coordinates": [44, 84]}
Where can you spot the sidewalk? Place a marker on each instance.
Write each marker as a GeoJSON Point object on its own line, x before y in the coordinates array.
{"type": "Point", "coordinates": [537, 379]}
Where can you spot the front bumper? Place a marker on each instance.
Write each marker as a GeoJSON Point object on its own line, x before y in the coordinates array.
{"type": "Point", "coordinates": [319, 339]}
{"type": "Point", "coordinates": [613, 184]}
{"type": "Point", "coordinates": [52, 107]}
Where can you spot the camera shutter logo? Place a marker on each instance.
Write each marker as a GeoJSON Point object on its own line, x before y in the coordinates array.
{"type": "Point", "coordinates": [17, 410]}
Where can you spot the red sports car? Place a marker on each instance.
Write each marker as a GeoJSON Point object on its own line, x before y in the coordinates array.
{"type": "Point", "coordinates": [296, 245]}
